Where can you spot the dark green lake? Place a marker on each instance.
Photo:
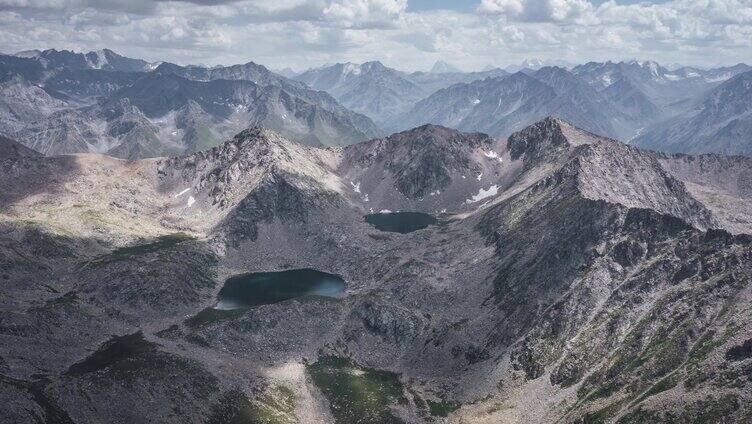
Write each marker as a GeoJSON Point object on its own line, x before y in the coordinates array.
{"type": "Point", "coordinates": [400, 222]}
{"type": "Point", "coordinates": [263, 288]}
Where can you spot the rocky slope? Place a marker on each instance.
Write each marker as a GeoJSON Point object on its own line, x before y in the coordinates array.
{"type": "Point", "coordinates": [571, 278]}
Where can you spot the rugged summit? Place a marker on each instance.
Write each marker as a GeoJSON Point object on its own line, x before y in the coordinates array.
{"type": "Point", "coordinates": [256, 176]}
{"type": "Point", "coordinates": [569, 278]}
{"type": "Point", "coordinates": [421, 164]}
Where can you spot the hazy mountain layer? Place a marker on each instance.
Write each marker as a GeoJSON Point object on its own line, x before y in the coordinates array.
{"type": "Point", "coordinates": [721, 121]}
{"type": "Point", "coordinates": [503, 105]}
{"type": "Point", "coordinates": [380, 92]}
{"type": "Point", "coordinates": [371, 88]}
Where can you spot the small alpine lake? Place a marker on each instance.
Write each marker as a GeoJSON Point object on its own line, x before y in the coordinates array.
{"type": "Point", "coordinates": [264, 288]}
{"type": "Point", "coordinates": [400, 222]}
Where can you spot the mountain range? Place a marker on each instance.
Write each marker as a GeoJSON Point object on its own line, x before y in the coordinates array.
{"type": "Point", "coordinates": [564, 277]}
{"type": "Point", "coordinates": [380, 92]}
{"type": "Point", "coordinates": [104, 59]}
{"type": "Point", "coordinates": [720, 121]}
{"type": "Point", "coordinates": [619, 100]}
{"type": "Point", "coordinates": [67, 102]}
{"type": "Point", "coordinates": [622, 100]}
{"type": "Point", "coordinates": [79, 106]}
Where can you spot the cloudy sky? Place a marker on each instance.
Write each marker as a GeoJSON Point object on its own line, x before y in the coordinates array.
{"type": "Point", "coordinates": [406, 34]}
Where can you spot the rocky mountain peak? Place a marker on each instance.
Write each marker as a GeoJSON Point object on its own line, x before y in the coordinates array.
{"type": "Point", "coordinates": [422, 160]}
{"type": "Point", "coordinates": [227, 171]}
{"type": "Point", "coordinates": [257, 134]}
{"type": "Point", "coordinates": [533, 140]}
{"type": "Point", "coordinates": [602, 169]}
{"type": "Point", "coordinates": [374, 65]}
{"type": "Point", "coordinates": [438, 134]}
{"type": "Point", "coordinates": [442, 67]}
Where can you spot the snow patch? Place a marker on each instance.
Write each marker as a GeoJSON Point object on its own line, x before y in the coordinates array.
{"type": "Point", "coordinates": [479, 176]}
{"type": "Point", "coordinates": [385, 211]}
{"type": "Point", "coordinates": [183, 192]}
{"type": "Point", "coordinates": [101, 60]}
{"type": "Point", "coordinates": [493, 155]}
{"type": "Point", "coordinates": [191, 201]}
{"type": "Point", "coordinates": [484, 194]}
{"type": "Point", "coordinates": [434, 193]}
{"type": "Point", "coordinates": [719, 78]}
{"type": "Point", "coordinates": [355, 186]}
{"type": "Point", "coordinates": [476, 101]}
{"type": "Point", "coordinates": [351, 68]}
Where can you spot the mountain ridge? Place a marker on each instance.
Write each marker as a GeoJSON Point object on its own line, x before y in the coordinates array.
{"type": "Point", "coordinates": [718, 122]}
{"type": "Point", "coordinates": [80, 110]}
{"type": "Point", "coordinates": [567, 276]}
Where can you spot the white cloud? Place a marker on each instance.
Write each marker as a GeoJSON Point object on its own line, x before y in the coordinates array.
{"type": "Point", "coordinates": [366, 13]}
{"type": "Point", "coordinates": [539, 10]}
{"type": "Point", "coordinates": [304, 33]}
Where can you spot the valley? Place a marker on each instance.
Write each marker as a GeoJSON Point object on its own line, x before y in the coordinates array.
{"type": "Point", "coordinates": [555, 275]}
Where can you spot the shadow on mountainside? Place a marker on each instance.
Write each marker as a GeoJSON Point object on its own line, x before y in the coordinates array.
{"type": "Point", "coordinates": [26, 176]}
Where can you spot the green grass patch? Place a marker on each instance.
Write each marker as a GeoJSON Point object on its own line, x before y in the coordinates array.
{"type": "Point", "coordinates": [357, 394]}
{"type": "Point", "coordinates": [602, 415]}
{"type": "Point", "coordinates": [666, 383]}
{"type": "Point", "coordinates": [717, 410]}
{"type": "Point", "coordinates": [604, 391]}
{"type": "Point", "coordinates": [162, 242]}
{"type": "Point", "coordinates": [275, 406]}
{"type": "Point", "coordinates": [498, 407]}
{"type": "Point", "coordinates": [702, 348]}
{"type": "Point", "coordinates": [442, 408]}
